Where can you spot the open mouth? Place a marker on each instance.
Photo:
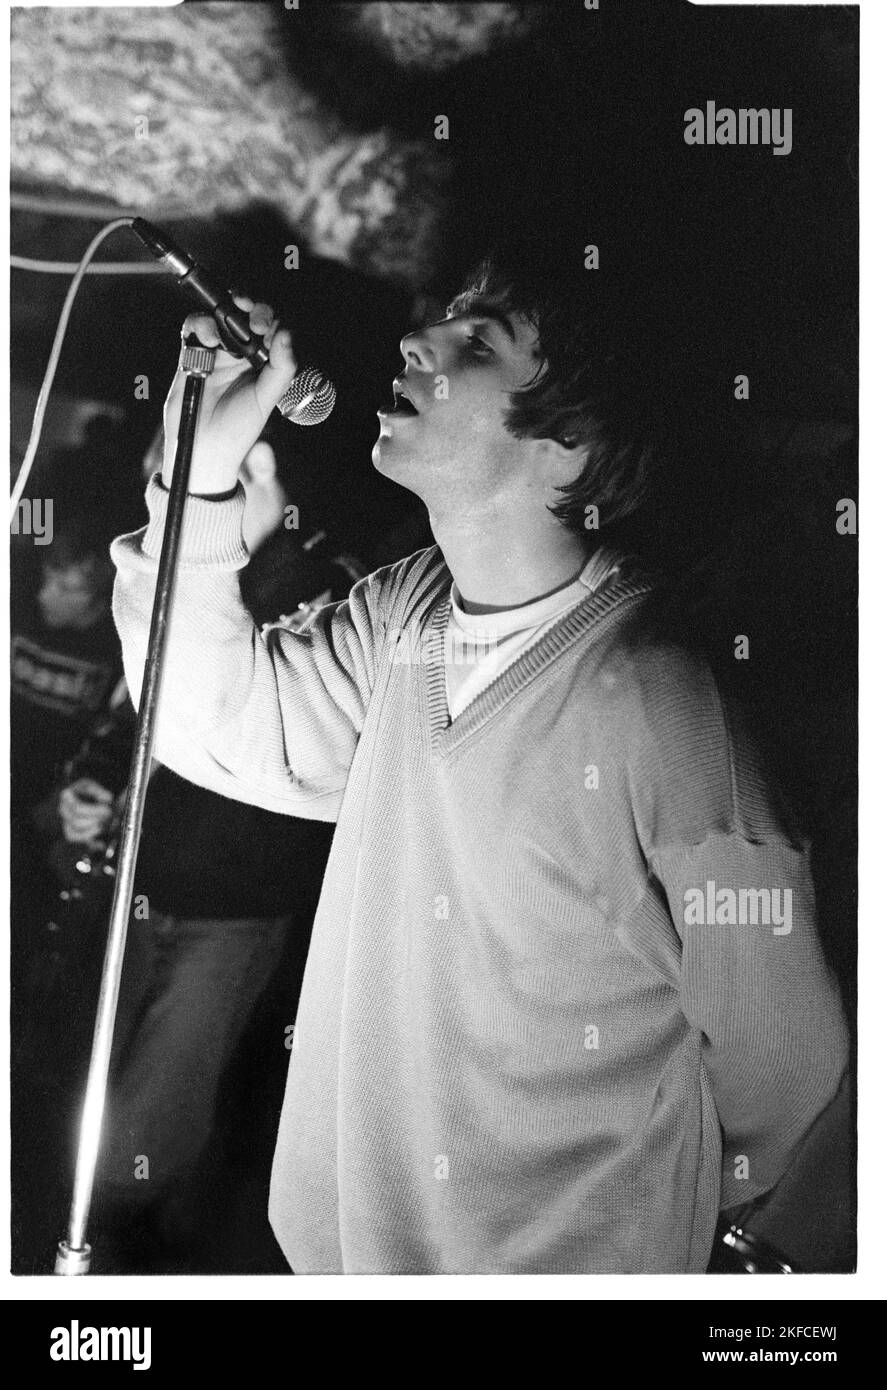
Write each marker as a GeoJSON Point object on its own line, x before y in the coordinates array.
{"type": "Point", "coordinates": [402, 403]}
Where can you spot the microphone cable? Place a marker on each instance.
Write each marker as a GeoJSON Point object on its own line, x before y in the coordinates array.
{"type": "Point", "coordinates": [308, 399]}
{"type": "Point", "coordinates": [100, 267]}
{"type": "Point", "coordinates": [49, 375]}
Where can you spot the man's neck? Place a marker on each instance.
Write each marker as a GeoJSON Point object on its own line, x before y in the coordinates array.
{"type": "Point", "coordinates": [496, 568]}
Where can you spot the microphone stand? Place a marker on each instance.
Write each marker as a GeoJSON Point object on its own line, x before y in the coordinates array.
{"type": "Point", "coordinates": [74, 1253]}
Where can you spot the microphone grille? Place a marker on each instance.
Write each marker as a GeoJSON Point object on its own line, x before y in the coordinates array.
{"type": "Point", "coordinates": [308, 399]}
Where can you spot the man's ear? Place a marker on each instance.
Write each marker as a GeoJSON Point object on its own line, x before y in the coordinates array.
{"type": "Point", "coordinates": [565, 456]}
{"type": "Point", "coordinates": [260, 465]}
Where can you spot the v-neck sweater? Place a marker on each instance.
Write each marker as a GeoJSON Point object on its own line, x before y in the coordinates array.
{"type": "Point", "coordinates": [480, 646]}
{"type": "Point", "coordinates": [512, 1051]}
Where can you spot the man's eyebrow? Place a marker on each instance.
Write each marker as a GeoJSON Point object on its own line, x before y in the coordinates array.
{"type": "Point", "coordinates": [466, 306]}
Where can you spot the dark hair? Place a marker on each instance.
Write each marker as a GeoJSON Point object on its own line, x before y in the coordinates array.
{"type": "Point", "coordinates": [606, 381]}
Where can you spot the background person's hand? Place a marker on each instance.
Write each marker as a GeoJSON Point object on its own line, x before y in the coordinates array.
{"type": "Point", "coordinates": [86, 809]}
{"type": "Point", "coordinates": [236, 401]}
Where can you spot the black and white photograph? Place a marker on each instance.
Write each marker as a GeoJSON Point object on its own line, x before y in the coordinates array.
{"type": "Point", "coordinates": [433, 574]}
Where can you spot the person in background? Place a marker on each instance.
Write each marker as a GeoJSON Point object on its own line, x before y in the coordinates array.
{"type": "Point", "coordinates": [65, 657]}
{"type": "Point", "coordinates": [222, 891]}
{"type": "Point", "coordinates": [65, 673]}
{"type": "Point", "coordinates": [65, 666]}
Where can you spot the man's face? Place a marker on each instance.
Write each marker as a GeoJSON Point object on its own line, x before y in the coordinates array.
{"type": "Point", "coordinates": [72, 595]}
{"type": "Point", "coordinates": [451, 442]}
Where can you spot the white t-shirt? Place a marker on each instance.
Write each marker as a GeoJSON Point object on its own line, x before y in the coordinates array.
{"type": "Point", "coordinates": [479, 646]}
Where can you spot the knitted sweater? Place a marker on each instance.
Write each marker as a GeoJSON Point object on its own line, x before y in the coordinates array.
{"type": "Point", "coordinates": [518, 1049]}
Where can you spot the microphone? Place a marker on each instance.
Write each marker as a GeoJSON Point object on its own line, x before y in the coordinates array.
{"type": "Point", "coordinates": [310, 396]}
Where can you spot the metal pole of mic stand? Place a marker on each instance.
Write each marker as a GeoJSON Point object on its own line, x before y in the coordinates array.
{"type": "Point", "coordinates": [74, 1254]}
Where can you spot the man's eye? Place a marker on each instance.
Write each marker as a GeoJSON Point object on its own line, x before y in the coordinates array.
{"type": "Point", "coordinates": [478, 345]}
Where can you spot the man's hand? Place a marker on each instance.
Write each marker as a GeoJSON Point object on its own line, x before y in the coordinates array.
{"type": "Point", "coordinates": [236, 402]}
{"type": "Point", "coordinates": [86, 809]}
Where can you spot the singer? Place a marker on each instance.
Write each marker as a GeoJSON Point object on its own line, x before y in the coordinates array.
{"type": "Point", "coordinates": [516, 1051]}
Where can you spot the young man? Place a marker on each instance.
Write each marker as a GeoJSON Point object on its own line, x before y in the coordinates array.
{"type": "Point", "coordinates": [521, 1047]}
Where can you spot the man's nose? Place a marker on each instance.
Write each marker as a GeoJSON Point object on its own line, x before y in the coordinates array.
{"type": "Point", "coordinates": [417, 350]}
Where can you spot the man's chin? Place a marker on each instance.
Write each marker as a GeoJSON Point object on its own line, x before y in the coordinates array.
{"type": "Point", "coordinates": [389, 458]}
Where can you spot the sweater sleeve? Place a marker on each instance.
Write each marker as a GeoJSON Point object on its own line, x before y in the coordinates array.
{"type": "Point", "coordinates": [275, 726]}
{"type": "Point", "coordinates": [752, 976]}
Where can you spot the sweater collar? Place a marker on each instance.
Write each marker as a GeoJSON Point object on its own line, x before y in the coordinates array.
{"type": "Point", "coordinates": [602, 606]}
{"type": "Point", "coordinates": [598, 568]}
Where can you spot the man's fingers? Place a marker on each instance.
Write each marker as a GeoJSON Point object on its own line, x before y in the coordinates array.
{"type": "Point", "coordinates": [202, 326]}
{"type": "Point", "coordinates": [237, 402]}
{"type": "Point", "coordinates": [277, 375]}
{"type": "Point", "coordinates": [262, 321]}
{"type": "Point", "coordinates": [261, 317]}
